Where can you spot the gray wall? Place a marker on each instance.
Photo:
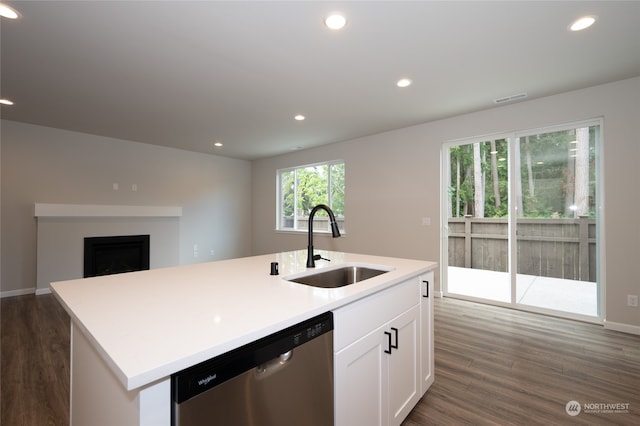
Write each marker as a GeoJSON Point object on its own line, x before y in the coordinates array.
{"type": "Point", "coordinates": [393, 181]}
{"type": "Point", "coordinates": [45, 165]}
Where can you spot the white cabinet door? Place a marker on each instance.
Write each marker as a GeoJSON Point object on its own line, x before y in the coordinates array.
{"type": "Point", "coordinates": [426, 323]}
{"type": "Point", "coordinates": [372, 386]}
{"type": "Point", "coordinates": [361, 382]}
{"type": "Point", "coordinates": [404, 366]}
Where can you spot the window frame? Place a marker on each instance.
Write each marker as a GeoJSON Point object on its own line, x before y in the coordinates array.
{"type": "Point", "coordinates": [279, 197]}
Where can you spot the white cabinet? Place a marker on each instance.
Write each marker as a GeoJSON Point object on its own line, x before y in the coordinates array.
{"type": "Point", "coordinates": [404, 366]}
{"type": "Point", "coordinates": [360, 373]}
{"type": "Point", "coordinates": [378, 350]}
{"type": "Point", "coordinates": [426, 331]}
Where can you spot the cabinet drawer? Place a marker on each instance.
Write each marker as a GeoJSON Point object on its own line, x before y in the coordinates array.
{"type": "Point", "coordinates": [357, 319]}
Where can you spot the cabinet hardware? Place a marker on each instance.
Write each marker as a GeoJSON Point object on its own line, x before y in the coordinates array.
{"type": "Point", "coordinates": [395, 330]}
{"type": "Point", "coordinates": [426, 287]}
{"type": "Point", "coordinates": [388, 351]}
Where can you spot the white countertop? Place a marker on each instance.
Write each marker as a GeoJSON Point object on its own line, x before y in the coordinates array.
{"type": "Point", "coordinates": [147, 325]}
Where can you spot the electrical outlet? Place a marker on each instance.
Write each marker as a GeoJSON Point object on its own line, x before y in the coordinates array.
{"type": "Point", "coordinates": [632, 300]}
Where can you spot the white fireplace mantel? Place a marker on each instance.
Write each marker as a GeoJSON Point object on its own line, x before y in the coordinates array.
{"type": "Point", "coordinates": [96, 210]}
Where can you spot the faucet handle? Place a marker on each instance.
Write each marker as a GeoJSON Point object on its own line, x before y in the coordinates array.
{"type": "Point", "coordinates": [318, 257]}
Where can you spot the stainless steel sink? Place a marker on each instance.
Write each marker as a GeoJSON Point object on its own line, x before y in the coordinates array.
{"type": "Point", "coordinates": [338, 277]}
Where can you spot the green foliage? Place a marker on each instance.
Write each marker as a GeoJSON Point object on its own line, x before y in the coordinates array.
{"type": "Point", "coordinates": [547, 175]}
{"type": "Point", "coordinates": [311, 186]}
{"type": "Point", "coordinates": [462, 158]}
{"type": "Point", "coordinates": [288, 192]}
{"type": "Point", "coordinates": [337, 189]}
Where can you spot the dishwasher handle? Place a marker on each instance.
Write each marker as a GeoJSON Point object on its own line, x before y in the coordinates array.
{"type": "Point", "coordinates": [274, 365]}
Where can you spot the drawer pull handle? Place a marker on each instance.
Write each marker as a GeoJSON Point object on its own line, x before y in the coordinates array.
{"type": "Point", "coordinates": [426, 289]}
{"type": "Point", "coordinates": [395, 330]}
{"type": "Point", "coordinates": [388, 351]}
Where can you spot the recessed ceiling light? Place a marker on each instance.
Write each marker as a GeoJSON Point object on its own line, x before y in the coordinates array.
{"type": "Point", "coordinates": [299, 117]}
{"type": "Point", "coordinates": [6, 102]}
{"type": "Point", "coordinates": [582, 23]}
{"type": "Point", "coordinates": [8, 12]}
{"type": "Point", "coordinates": [404, 82]}
{"type": "Point", "coordinates": [335, 21]}
{"type": "Point", "coordinates": [217, 144]}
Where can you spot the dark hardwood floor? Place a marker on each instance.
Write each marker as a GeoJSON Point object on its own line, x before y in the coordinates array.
{"type": "Point", "coordinates": [34, 368]}
{"type": "Point", "coordinates": [501, 366]}
{"type": "Point", "coordinates": [493, 366]}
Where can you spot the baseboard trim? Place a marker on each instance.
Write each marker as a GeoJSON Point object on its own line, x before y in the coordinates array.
{"type": "Point", "coordinates": [13, 293]}
{"type": "Point", "coordinates": [625, 328]}
{"type": "Point", "coordinates": [42, 291]}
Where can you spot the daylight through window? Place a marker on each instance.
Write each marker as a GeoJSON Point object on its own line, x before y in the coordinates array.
{"type": "Point", "coordinates": [302, 188]}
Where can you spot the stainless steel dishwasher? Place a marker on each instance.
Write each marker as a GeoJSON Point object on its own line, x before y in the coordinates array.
{"type": "Point", "coordinates": [283, 379]}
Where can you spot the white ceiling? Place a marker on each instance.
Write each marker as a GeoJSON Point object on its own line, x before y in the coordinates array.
{"type": "Point", "coordinates": [184, 74]}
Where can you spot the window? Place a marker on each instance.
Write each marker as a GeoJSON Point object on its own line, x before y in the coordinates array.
{"type": "Point", "coordinates": [302, 188]}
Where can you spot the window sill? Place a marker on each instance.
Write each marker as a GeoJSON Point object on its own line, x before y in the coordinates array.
{"type": "Point", "coordinates": [320, 233]}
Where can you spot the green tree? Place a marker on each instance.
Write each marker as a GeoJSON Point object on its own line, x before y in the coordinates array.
{"type": "Point", "coordinates": [288, 193]}
{"type": "Point", "coordinates": [304, 188]}
{"type": "Point", "coordinates": [312, 188]}
{"type": "Point", "coordinates": [337, 189]}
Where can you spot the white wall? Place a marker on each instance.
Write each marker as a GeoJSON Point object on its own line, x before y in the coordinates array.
{"type": "Point", "coordinates": [393, 181]}
{"type": "Point", "coordinates": [46, 165]}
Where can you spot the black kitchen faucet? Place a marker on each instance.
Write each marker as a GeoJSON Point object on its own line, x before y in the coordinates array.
{"type": "Point", "coordinates": [335, 232]}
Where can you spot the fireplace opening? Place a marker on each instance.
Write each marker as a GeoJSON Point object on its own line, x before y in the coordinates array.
{"type": "Point", "coordinates": [115, 255]}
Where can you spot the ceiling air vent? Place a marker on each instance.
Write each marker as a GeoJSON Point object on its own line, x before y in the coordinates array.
{"type": "Point", "coordinates": [510, 98]}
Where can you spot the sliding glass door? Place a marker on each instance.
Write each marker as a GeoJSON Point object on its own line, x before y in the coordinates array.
{"type": "Point", "coordinates": [556, 225]}
{"type": "Point", "coordinates": [477, 217]}
{"type": "Point", "coordinates": [520, 213]}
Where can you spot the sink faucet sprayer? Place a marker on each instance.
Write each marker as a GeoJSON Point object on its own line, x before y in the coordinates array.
{"type": "Point", "coordinates": [335, 232]}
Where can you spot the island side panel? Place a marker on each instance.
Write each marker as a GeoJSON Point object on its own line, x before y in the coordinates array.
{"type": "Point", "coordinates": [99, 399]}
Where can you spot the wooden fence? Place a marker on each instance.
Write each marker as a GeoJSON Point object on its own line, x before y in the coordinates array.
{"type": "Point", "coordinates": [558, 248]}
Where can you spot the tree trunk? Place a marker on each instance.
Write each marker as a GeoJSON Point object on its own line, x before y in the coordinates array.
{"type": "Point", "coordinates": [569, 205]}
{"type": "Point", "coordinates": [450, 183]}
{"type": "Point", "coordinates": [468, 207]}
{"type": "Point", "coordinates": [478, 183]}
{"type": "Point", "coordinates": [518, 177]}
{"type": "Point", "coordinates": [494, 174]}
{"type": "Point", "coordinates": [529, 167]}
{"type": "Point", "coordinates": [458, 186]}
{"type": "Point", "coordinates": [582, 173]}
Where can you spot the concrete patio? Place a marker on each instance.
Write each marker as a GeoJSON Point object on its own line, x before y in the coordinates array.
{"type": "Point", "coordinates": [575, 297]}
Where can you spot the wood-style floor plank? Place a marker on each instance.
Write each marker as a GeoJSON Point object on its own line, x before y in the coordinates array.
{"type": "Point", "coordinates": [34, 368]}
{"type": "Point", "coordinates": [494, 366]}
{"type": "Point", "coordinates": [506, 367]}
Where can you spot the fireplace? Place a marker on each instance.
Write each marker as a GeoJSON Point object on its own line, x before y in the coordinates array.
{"type": "Point", "coordinates": [115, 255]}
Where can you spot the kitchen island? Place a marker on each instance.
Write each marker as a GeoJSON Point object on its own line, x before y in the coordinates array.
{"type": "Point", "coordinates": [130, 332]}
